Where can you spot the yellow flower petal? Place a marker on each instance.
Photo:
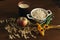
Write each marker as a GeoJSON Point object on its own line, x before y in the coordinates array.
{"type": "Point", "coordinates": [40, 29]}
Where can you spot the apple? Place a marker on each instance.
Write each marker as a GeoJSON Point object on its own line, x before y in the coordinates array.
{"type": "Point", "coordinates": [22, 21]}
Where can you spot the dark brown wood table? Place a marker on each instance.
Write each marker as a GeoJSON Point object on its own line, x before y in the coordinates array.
{"type": "Point", "coordinates": [8, 8]}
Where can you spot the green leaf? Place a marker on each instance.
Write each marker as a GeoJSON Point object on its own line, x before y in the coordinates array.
{"type": "Point", "coordinates": [48, 19]}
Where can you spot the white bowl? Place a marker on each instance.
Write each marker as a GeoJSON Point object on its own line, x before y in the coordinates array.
{"type": "Point", "coordinates": [39, 14]}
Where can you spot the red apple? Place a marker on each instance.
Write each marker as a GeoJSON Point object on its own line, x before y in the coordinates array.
{"type": "Point", "coordinates": [22, 21]}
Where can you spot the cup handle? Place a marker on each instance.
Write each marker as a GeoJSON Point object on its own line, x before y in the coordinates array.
{"type": "Point", "coordinates": [49, 12]}
{"type": "Point", "coordinates": [28, 15]}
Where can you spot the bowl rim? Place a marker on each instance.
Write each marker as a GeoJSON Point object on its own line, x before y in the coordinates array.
{"type": "Point", "coordinates": [39, 9]}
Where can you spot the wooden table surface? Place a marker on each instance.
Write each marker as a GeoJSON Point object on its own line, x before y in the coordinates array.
{"type": "Point", "coordinates": [8, 8]}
